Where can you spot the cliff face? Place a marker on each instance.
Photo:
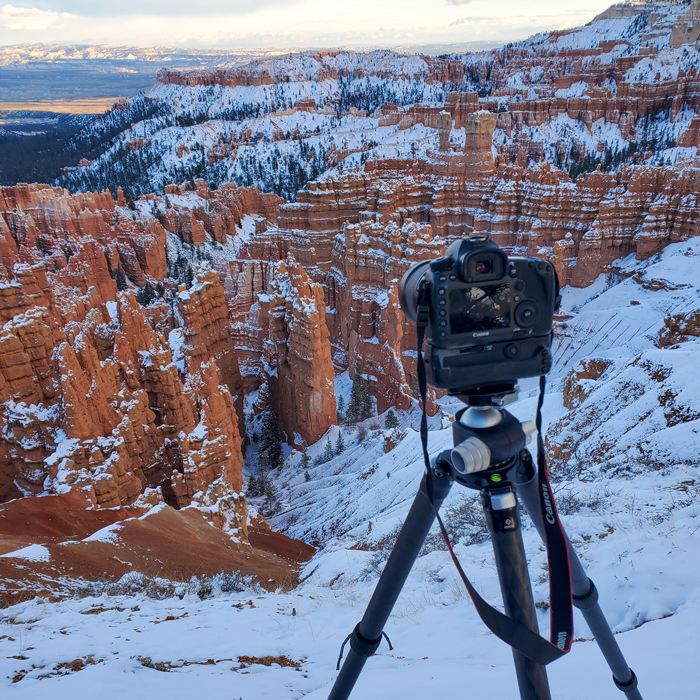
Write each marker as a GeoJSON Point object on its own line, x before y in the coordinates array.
{"type": "Point", "coordinates": [117, 426]}
{"type": "Point", "coordinates": [369, 327]}
{"type": "Point", "coordinates": [298, 354]}
{"type": "Point", "coordinates": [207, 335]}
{"type": "Point", "coordinates": [91, 396]}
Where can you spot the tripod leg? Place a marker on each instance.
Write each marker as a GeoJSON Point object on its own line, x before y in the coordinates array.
{"type": "Point", "coordinates": [368, 634]}
{"type": "Point", "coordinates": [501, 511]}
{"type": "Point", "coordinates": [584, 590]}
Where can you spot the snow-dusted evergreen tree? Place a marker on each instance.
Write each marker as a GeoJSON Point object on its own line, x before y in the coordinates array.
{"type": "Point", "coordinates": [145, 295]}
{"type": "Point", "coordinates": [339, 444]}
{"type": "Point", "coordinates": [120, 279]}
{"type": "Point", "coordinates": [391, 421]}
{"type": "Point", "coordinates": [340, 414]}
{"type": "Point", "coordinates": [305, 460]}
{"type": "Point", "coordinates": [367, 405]}
{"type": "Point", "coordinates": [328, 453]}
{"type": "Point", "coordinates": [360, 405]}
{"type": "Point", "coordinates": [270, 435]}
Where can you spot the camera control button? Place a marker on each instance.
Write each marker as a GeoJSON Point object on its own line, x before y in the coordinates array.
{"type": "Point", "coordinates": [443, 323]}
{"type": "Point", "coordinates": [453, 278]}
{"type": "Point", "coordinates": [442, 302]}
{"type": "Point", "coordinates": [511, 350]}
{"type": "Point", "coordinates": [520, 285]}
{"type": "Point", "coordinates": [443, 278]}
{"type": "Point", "coordinates": [526, 314]}
{"type": "Point", "coordinates": [441, 292]}
{"type": "Point", "coordinates": [443, 312]}
{"type": "Point", "coordinates": [512, 272]}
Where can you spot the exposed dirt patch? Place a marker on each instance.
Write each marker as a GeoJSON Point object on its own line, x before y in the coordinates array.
{"type": "Point", "coordinates": [48, 519]}
{"type": "Point", "coordinates": [166, 543]}
{"type": "Point", "coordinates": [280, 545]}
{"type": "Point", "coordinates": [61, 669]}
{"type": "Point", "coordinates": [268, 661]}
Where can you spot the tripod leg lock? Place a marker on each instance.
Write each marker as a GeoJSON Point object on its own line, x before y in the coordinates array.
{"type": "Point", "coordinates": [362, 646]}
{"type": "Point", "coordinates": [628, 687]}
{"type": "Point", "coordinates": [587, 601]}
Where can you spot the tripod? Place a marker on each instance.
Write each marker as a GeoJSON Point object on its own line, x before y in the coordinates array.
{"type": "Point", "coordinates": [489, 456]}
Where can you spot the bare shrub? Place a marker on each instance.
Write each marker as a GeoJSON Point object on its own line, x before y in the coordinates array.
{"type": "Point", "coordinates": [135, 583]}
{"type": "Point", "coordinates": [465, 523]}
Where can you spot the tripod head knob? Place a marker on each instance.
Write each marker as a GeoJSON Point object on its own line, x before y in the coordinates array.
{"type": "Point", "coordinates": [529, 428]}
{"type": "Point", "coordinates": [472, 455]}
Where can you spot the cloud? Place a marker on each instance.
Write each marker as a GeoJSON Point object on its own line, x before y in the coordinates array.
{"type": "Point", "coordinates": [459, 2]}
{"type": "Point", "coordinates": [465, 20]}
{"type": "Point", "coordinates": [32, 18]}
{"type": "Point", "coordinates": [99, 8]}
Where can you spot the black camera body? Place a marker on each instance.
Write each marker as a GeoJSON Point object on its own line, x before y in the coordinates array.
{"type": "Point", "coordinates": [490, 316]}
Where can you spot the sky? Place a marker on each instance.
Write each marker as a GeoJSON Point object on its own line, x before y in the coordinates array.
{"type": "Point", "coordinates": [286, 23]}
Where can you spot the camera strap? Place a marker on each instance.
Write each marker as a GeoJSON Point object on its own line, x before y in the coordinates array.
{"type": "Point", "coordinates": [513, 633]}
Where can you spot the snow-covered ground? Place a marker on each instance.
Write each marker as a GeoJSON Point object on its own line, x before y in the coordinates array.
{"type": "Point", "coordinates": [440, 649]}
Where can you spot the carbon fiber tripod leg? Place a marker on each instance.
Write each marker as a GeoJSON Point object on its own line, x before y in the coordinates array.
{"type": "Point", "coordinates": [366, 637]}
{"type": "Point", "coordinates": [584, 590]}
{"type": "Point", "coordinates": [501, 512]}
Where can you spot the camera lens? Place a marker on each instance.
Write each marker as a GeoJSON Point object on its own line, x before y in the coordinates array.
{"type": "Point", "coordinates": [483, 267]}
{"type": "Point", "coordinates": [408, 289]}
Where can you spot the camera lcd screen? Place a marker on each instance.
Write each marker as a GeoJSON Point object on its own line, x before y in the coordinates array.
{"type": "Point", "coordinates": [476, 309]}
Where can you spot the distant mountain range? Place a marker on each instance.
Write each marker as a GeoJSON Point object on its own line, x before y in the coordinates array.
{"type": "Point", "coordinates": [30, 72]}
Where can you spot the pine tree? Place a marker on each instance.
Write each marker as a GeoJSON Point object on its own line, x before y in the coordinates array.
{"type": "Point", "coordinates": [120, 279]}
{"type": "Point", "coordinates": [341, 410]}
{"type": "Point", "coordinates": [339, 444]}
{"type": "Point", "coordinates": [354, 412]}
{"type": "Point", "coordinates": [270, 504]}
{"type": "Point", "coordinates": [145, 295]}
{"type": "Point", "coordinates": [189, 277]}
{"type": "Point", "coordinates": [366, 404]}
{"type": "Point", "coordinates": [328, 452]}
{"type": "Point", "coordinates": [305, 460]}
{"type": "Point", "coordinates": [270, 435]}
{"type": "Point", "coordinates": [391, 421]}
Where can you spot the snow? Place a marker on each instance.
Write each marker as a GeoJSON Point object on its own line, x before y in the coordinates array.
{"type": "Point", "coordinates": [112, 310]}
{"type": "Point", "coordinates": [576, 90]}
{"type": "Point", "coordinates": [199, 433]}
{"type": "Point", "coordinates": [176, 341]}
{"type": "Point", "coordinates": [106, 534]}
{"type": "Point", "coordinates": [34, 552]}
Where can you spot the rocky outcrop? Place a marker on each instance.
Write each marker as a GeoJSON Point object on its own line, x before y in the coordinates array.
{"type": "Point", "coordinates": [679, 328]}
{"type": "Point", "coordinates": [97, 404]}
{"type": "Point", "coordinates": [208, 334]}
{"type": "Point", "coordinates": [298, 354]}
{"type": "Point", "coordinates": [686, 29]}
{"type": "Point", "coordinates": [369, 259]}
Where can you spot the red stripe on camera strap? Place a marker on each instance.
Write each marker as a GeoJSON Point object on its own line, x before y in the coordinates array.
{"type": "Point", "coordinates": [513, 633]}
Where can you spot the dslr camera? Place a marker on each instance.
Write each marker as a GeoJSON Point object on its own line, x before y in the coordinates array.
{"type": "Point", "coordinates": [490, 316]}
